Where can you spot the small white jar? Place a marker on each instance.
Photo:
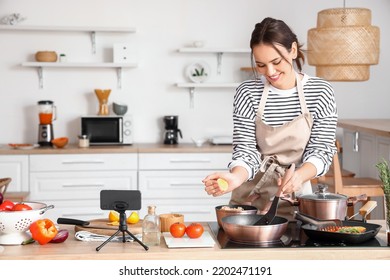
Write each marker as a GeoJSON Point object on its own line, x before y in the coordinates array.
{"type": "Point", "coordinates": [83, 141]}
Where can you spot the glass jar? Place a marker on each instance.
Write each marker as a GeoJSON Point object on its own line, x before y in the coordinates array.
{"type": "Point", "coordinates": [83, 141]}
{"type": "Point", "coordinates": [151, 231]}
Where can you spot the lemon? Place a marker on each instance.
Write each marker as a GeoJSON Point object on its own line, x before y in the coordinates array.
{"type": "Point", "coordinates": [114, 223]}
{"type": "Point", "coordinates": [113, 216]}
{"type": "Point", "coordinates": [223, 185]}
{"type": "Point", "coordinates": [133, 218]}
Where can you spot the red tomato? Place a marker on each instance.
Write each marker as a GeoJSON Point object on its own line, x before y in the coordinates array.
{"type": "Point", "coordinates": [194, 230]}
{"type": "Point", "coordinates": [177, 230]}
{"type": "Point", "coordinates": [21, 207]}
{"type": "Point", "coordinates": [7, 205]}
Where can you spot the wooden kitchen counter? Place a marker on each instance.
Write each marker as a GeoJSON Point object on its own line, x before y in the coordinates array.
{"type": "Point", "coordinates": [73, 249]}
{"type": "Point", "coordinates": [380, 127]}
{"type": "Point", "coordinates": [135, 148]}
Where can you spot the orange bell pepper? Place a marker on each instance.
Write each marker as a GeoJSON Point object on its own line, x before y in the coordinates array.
{"type": "Point", "coordinates": [43, 231]}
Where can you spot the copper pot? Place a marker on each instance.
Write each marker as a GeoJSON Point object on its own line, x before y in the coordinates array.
{"type": "Point", "coordinates": [323, 205]}
{"type": "Point", "coordinates": [229, 210]}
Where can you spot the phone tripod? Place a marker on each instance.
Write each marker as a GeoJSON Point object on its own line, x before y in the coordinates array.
{"type": "Point", "coordinates": [122, 229]}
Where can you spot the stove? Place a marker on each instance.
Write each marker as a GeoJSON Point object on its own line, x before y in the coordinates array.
{"type": "Point", "coordinates": [294, 237]}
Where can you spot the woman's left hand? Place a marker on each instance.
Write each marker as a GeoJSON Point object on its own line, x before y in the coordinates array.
{"type": "Point", "coordinates": [292, 185]}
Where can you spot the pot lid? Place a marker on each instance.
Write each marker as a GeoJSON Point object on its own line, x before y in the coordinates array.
{"type": "Point", "coordinates": [322, 194]}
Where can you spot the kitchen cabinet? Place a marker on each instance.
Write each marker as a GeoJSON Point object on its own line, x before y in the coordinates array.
{"type": "Point", "coordinates": [73, 182]}
{"type": "Point", "coordinates": [15, 167]}
{"type": "Point", "coordinates": [173, 182]}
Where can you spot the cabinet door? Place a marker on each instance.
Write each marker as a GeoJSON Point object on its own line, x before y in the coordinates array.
{"type": "Point", "coordinates": [368, 155]}
{"type": "Point", "coordinates": [16, 168]}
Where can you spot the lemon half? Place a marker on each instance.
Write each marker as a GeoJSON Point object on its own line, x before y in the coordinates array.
{"type": "Point", "coordinates": [133, 218]}
{"type": "Point", "coordinates": [223, 185]}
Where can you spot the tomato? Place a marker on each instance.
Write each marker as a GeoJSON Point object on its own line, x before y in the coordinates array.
{"type": "Point", "coordinates": [177, 230]}
{"type": "Point", "coordinates": [21, 207]}
{"type": "Point", "coordinates": [194, 230]}
{"type": "Point", "coordinates": [7, 205]}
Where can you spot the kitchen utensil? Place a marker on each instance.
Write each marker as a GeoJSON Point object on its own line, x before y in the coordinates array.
{"type": "Point", "coordinates": [185, 242]}
{"type": "Point", "coordinates": [324, 205]}
{"type": "Point", "coordinates": [14, 224]}
{"type": "Point", "coordinates": [99, 226]}
{"type": "Point", "coordinates": [102, 95]}
{"type": "Point", "coordinates": [270, 215]}
{"type": "Point", "coordinates": [4, 182]}
{"type": "Point", "coordinates": [222, 211]}
{"type": "Point", "coordinates": [172, 132]}
{"type": "Point", "coordinates": [365, 210]}
{"type": "Point", "coordinates": [240, 228]}
{"type": "Point", "coordinates": [166, 220]}
{"type": "Point", "coordinates": [47, 114]}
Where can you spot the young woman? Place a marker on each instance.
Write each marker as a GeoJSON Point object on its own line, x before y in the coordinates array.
{"type": "Point", "coordinates": [283, 116]}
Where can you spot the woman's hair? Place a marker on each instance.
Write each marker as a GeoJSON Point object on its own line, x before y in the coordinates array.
{"type": "Point", "coordinates": [275, 32]}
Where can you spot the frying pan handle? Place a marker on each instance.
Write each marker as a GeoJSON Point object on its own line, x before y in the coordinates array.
{"type": "Point", "coordinates": [305, 219]}
{"type": "Point", "coordinates": [291, 200]}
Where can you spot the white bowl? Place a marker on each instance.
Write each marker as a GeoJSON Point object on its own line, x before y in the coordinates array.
{"type": "Point", "coordinates": [15, 224]}
{"type": "Point", "coordinates": [199, 142]}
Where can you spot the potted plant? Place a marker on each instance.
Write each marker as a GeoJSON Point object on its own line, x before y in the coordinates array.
{"type": "Point", "coordinates": [384, 175]}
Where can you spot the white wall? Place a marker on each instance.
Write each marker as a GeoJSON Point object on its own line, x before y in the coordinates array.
{"type": "Point", "coordinates": [162, 28]}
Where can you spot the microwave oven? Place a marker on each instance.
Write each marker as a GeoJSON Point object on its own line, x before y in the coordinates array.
{"type": "Point", "coordinates": [107, 130]}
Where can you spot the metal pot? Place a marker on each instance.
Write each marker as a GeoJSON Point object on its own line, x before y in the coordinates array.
{"type": "Point", "coordinates": [221, 212]}
{"type": "Point", "coordinates": [323, 205]}
{"type": "Point", "coordinates": [240, 228]}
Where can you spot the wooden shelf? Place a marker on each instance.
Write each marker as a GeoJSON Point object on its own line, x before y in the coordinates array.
{"type": "Point", "coordinates": [42, 65]}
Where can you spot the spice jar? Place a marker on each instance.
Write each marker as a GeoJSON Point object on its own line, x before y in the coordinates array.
{"type": "Point", "coordinates": [83, 141]}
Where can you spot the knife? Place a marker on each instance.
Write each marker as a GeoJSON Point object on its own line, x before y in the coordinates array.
{"type": "Point", "coordinates": [84, 224]}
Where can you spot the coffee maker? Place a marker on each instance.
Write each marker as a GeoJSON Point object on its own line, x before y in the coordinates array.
{"type": "Point", "coordinates": [172, 131]}
{"type": "Point", "coordinates": [47, 114]}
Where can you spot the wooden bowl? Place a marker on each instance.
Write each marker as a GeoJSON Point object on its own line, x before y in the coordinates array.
{"type": "Point", "coordinates": [60, 142]}
{"type": "Point", "coordinates": [166, 220]}
{"type": "Point", "coordinates": [46, 56]}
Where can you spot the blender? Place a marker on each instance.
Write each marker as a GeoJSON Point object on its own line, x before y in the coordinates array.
{"type": "Point", "coordinates": [47, 114]}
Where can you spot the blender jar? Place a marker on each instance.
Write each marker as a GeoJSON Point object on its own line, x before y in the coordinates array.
{"type": "Point", "coordinates": [46, 112]}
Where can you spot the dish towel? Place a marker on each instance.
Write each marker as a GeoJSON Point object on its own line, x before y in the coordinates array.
{"type": "Point", "coordinates": [88, 236]}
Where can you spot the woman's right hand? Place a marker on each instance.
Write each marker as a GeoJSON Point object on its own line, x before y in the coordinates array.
{"type": "Point", "coordinates": [234, 180]}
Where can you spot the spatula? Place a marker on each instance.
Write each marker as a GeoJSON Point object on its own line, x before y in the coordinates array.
{"type": "Point", "coordinates": [271, 213]}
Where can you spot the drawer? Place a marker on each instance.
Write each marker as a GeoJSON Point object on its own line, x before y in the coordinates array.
{"type": "Point", "coordinates": [182, 161]}
{"type": "Point", "coordinates": [173, 184]}
{"type": "Point", "coordinates": [79, 185]}
{"type": "Point", "coordinates": [84, 210]}
{"type": "Point", "coordinates": [75, 162]}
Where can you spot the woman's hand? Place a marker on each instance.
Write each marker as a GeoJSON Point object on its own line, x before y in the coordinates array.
{"type": "Point", "coordinates": [306, 172]}
{"type": "Point", "coordinates": [234, 180]}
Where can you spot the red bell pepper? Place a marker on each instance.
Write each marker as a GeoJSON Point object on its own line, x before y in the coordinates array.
{"type": "Point", "coordinates": [43, 231]}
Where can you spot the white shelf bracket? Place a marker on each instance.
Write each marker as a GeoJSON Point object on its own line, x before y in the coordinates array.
{"type": "Point", "coordinates": [40, 76]}
{"type": "Point", "coordinates": [192, 97]}
{"type": "Point", "coordinates": [93, 41]}
{"type": "Point", "coordinates": [119, 73]}
{"type": "Point", "coordinates": [219, 63]}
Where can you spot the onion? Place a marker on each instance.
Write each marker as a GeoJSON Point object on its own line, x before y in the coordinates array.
{"type": "Point", "coordinates": [61, 236]}
{"type": "Point", "coordinates": [1, 198]}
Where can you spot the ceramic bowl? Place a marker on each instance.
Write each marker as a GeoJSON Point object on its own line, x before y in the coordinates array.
{"type": "Point", "coordinates": [46, 56]}
{"type": "Point", "coordinates": [60, 142]}
{"type": "Point", "coordinates": [119, 109]}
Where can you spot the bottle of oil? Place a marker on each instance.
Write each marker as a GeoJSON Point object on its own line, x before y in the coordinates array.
{"type": "Point", "coordinates": [151, 231]}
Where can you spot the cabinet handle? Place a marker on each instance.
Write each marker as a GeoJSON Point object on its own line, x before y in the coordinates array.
{"type": "Point", "coordinates": [184, 184]}
{"type": "Point", "coordinates": [97, 185]}
{"type": "Point", "coordinates": [191, 212]}
{"type": "Point", "coordinates": [356, 142]}
{"type": "Point", "coordinates": [83, 162]}
{"type": "Point", "coordinates": [189, 160]}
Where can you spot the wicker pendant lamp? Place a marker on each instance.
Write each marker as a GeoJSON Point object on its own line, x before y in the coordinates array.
{"type": "Point", "coordinates": [344, 44]}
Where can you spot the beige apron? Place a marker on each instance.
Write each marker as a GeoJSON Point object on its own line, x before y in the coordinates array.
{"type": "Point", "coordinates": [279, 147]}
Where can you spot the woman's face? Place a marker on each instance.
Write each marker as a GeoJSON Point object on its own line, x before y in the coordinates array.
{"type": "Point", "coordinates": [274, 67]}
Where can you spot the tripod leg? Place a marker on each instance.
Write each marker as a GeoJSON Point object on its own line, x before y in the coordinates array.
{"type": "Point", "coordinates": [139, 241]}
{"type": "Point", "coordinates": [109, 239]}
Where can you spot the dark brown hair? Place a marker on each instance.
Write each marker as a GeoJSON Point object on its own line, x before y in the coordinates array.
{"type": "Point", "coordinates": [271, 32]}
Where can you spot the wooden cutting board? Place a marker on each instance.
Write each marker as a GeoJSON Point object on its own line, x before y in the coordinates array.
{"type": "Point", "coordinates": [133, 228]}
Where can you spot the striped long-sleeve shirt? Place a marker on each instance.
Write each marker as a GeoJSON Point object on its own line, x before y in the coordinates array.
{"type": "Point", "coordinates": [283, 106]}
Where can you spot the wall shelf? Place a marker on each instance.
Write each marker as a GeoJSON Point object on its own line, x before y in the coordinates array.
{"type": "Point", "coordinates": [42, 65]}
{"type": "Point", "coordinates": [92, 30]}
{"type": "Point", "coordinates": [192, 86]}
{"type": "Point", "coordinates": [218, 51]}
